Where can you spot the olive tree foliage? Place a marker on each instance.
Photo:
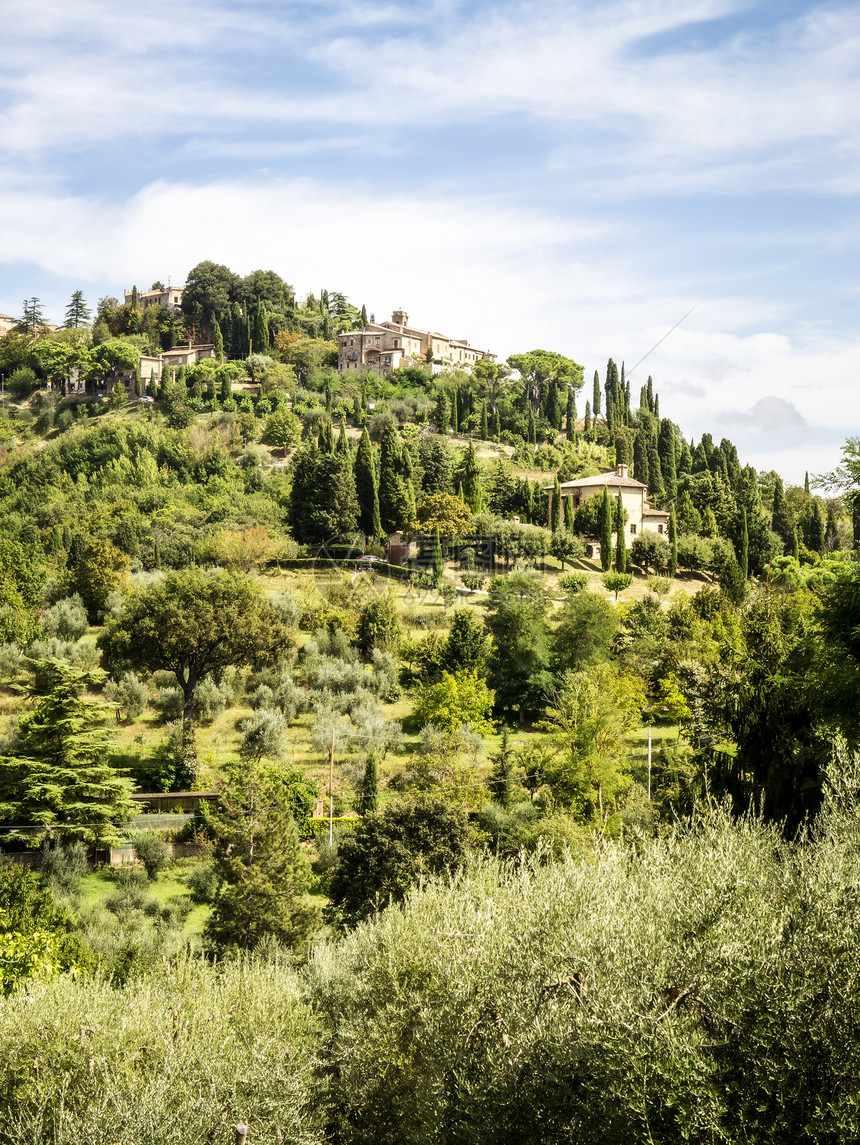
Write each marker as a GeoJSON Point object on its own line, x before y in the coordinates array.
{"type": "Point", "coordinates": [693, 987]}
{"type": "Point", "coordinates": [193, 624]}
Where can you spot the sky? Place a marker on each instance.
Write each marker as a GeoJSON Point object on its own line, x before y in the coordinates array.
{"type": "Point", "coordinates": [571, 176]}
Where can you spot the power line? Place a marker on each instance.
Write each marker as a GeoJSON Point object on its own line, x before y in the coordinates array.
{"type": "Point", "coordinates": [663, 339]}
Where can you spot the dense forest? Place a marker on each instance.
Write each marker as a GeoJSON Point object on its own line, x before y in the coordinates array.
{"type": "Point", "coordinates": [538, 836]}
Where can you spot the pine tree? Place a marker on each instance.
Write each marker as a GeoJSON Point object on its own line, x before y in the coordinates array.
{"type": "Point", "coordinates": [606, 531]}
{"type": "Point", "coordinates": [595, 396]}
{"type": "Point", "coordinates": [555, 506]}
{"type": "Point", "coordinates": [33, 318]}
{"type": "Point", "coordinates": [58, 772]}
{"type": "Point", "coordinates": [367, 488]}
{"type": "Point", "coordinates": [258, 860]}
{"type": "Point", "coordinates": [620, 538]}
{"type": "Point", "coordinates": [77, 312]}
{"type": "Point", "coordinates": [673, 542]}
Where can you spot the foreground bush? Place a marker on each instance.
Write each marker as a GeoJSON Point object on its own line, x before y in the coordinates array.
{"type": "Point", "coordinates": [171, 1059]}
{"type": "Point", "coordinates": [699, 988]}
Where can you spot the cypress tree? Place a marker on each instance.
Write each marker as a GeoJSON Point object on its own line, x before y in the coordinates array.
{"type": "Point", "coordinates": [570, 413]}
{"type": "Point", "coordinates": [606, 531]}
{"type": "Point", "coordinates": [555, 506]}
{"type": "Point", "coordinates": [782, 521]}
{"type": "Point", "coordinates": [595, 396]}
{"type": "Point", "coordinates": [831, 533]}
{"type": "Point", "coordinates": [620, 538]}
{"type": "Point", "coordinates": [226, 386]}
{"type": "Point", "coordinates": [855, 520]}
{"type": "Point", "coordinates": [455, 412]}
{"type": "Point", "coordinates": [368, 801]}
{"type": "Point", "coordinates": [650, 391]}
{"type": "Point", "coordinates": [587, 420]}
{"type": "Point", "coordinates": [367, 488]}
{"type": "Point", "coordinates": [655, 473]}
{"type": "Point", "coordinates": [532, 427]}
{"type": "Point", "coordinates": [502, 775]}
{"type": "Point", "coordinates": [325, 437]}
{"type": "Point", "coordinates": [806, 483]}
{"type": "Point", "coordinates": [471, 479]}
{"type": "Point", "coordinates": [437, 562]}
{"type": "Point", "coordinates": [666, 453]}
{"type": "Point", "coordinates": [640, 457]}
{"type": "Point", "coordinates": [745, 545]}
{"type": "Point", "coordinates": [393, 494]}
{"type": "Point", "coordinates": [814, 528]}
{"type": "Point", "coordinates": [342, 440]}
{"type": "Point", "coordinates": [673, 541]}
{"type": "Point", "coordinates": [568, 514]}
{"type": "Point", "coordinates": [485, 429]}
{"type": "Point", "coordinates": [138, 384]}
{"type": "Point", "coordinates": [218, 340]}
{"type": "Point", "coordinates": [497, 426]}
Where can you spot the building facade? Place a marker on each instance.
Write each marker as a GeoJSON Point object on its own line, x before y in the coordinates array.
{"type": "Point", "coordinates": [641, 514]}
{"type": "Point", "coordinates": [171, 298]}
{"type": "Point", "coordinates": [383, 346]}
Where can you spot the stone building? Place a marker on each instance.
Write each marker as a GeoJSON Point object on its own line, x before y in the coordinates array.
{"type": "Point", "coordinates": [383, 346]}
{"type": "Point", "coordinates": [171, 298]}
{"type": "Point", "coordinates": [641, 514]}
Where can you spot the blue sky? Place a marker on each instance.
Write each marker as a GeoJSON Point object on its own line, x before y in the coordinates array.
{"type": "Point", "coordinates": [574, 176]}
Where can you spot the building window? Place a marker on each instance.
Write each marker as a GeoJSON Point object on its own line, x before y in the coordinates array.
{"type": "Point", "coordinates": [659, 528]}
{"type": "Point", "coordinates": [632, 528]}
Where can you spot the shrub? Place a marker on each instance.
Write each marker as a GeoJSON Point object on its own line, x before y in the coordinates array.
{"type": "Point", "coordinates": [573, 582]}
{"type": "Point", "coordinates": [153, 852]}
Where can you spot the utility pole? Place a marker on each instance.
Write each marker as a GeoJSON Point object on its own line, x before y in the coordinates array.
{"type": "Point", "coordinates": [331, 788]}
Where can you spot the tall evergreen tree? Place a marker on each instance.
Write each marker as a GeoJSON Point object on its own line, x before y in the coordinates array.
{"type": "Point", "coordinates": [782, 520]}
{"type": "Point", "coordinates": [570, 416]}
{"type": "Point", "coordinates": [218, 341]}
{"type": "Point", "coordinates": [485, 428]}
{"type": "Point", "coordinates": [587, 420]}
{"type": "Point", "coordinates": [555, 506]}
{"type": "Point", "coordinates": [367, 488]}
{"type": "Point", "coordinates": [666, 453]}
{"type": "Point", "coordinates": [58, 772]}
{"type": "Point", "coordinates": [501, 782]}
{"type": "Point", "coordinates": [673, 542]}
{"type": "Point", "coordinates": [595, 395]}
{"type": "Point", "coordinates": [831, 533]}
{"type": "Point", "coordinates": [606, 531]}
{"type": "Point", "coordinates": [455, 411]}
{"type": "Point", "coordinates": [368, 801]}
{"type": "Point", "coordinates": [436, 561]}
{"type": "Point", "coordinates": [744, 561]}
{"type": "Point", "coordinates": [640, 457]}
{"type": "Point", "coordinates": [393, 493]}
{"type": "Point", "coordinates": [77, 312]}
{"type": "Point", "coordinates": [470, 476]}
{"type": "Point", "coordinates": [568, 514]}
{"type": "Point", "coordinates": [620, 538]}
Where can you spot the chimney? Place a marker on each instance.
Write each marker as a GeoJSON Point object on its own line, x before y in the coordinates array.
{"type": "Point", "coordinates": [621, 471]}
